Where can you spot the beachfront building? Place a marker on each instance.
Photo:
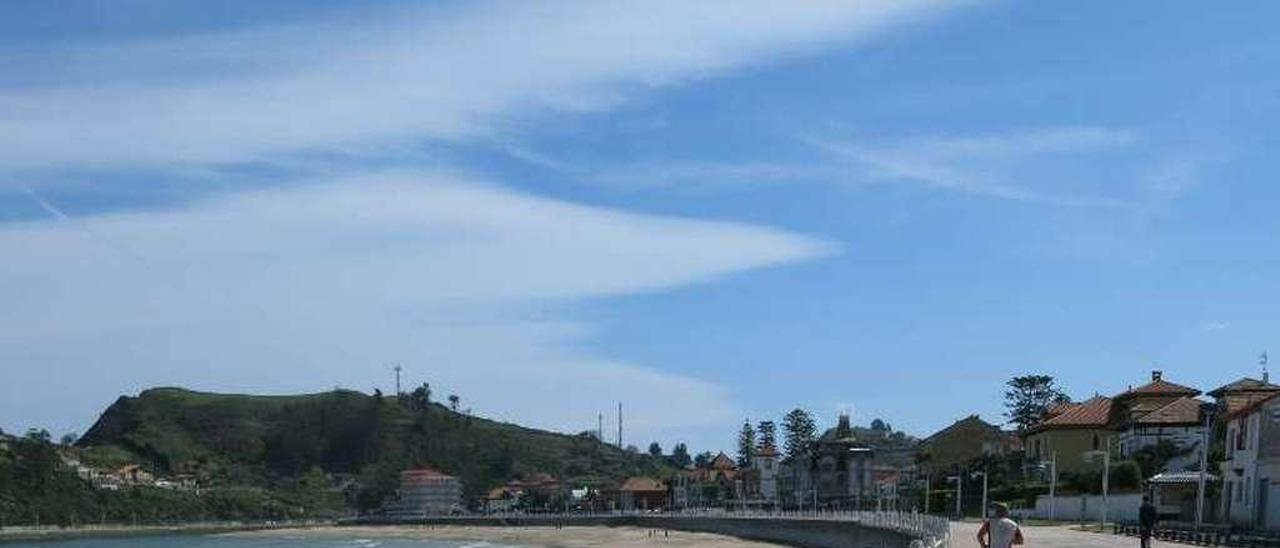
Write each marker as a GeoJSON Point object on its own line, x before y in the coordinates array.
{"type": "Point", "coordinates": [1251, 470]}
{"type": "Point", "coordinates": [1068, 432]}
{"type": "Point", "coordinates": [427, 491]}
{"type": "Point", "coordinates": [840, 468]}
{"type": "Point", "coordinates": [642, 493]}
{"type": "Point", "coordinates": [969, 439]}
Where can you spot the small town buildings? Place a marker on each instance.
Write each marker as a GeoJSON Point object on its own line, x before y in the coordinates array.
{"type": "Point", "coordinates": [965, 441]}
{"type": "Point", "coordinates": [1068, 432]}
{"type": "Point", "coordinates": [134, 474]}
{"type": "Point", "coordinates": [426, 491]}
{"type": "Point", "coordinates": [1242, 393]}
{"type": "Point", "coordinates": [501, 499]}
{"type": "Point", "coordinates": [1139, 418]}
{"type": "Point", "coordinates": [642, 493]}
{"type": "Point", "coordinates": [757, 485]}
{"type": "Point", "coordinates": [1251, 470]}
{"type": "Point", "coordinates": [713, 485]}
{"type": "Point", "coordinates": [839, 468]}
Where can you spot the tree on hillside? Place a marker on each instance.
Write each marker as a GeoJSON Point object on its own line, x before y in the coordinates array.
{"type": "Point", "coordinates": [746, 444]}
{"type": "Point", "coordinates": [703, 460]}
{"type": "Point", "coordinates": [799, 429]}
{"type": "Point", "coordinates": [767, 433]}
{"type": "Point", "coordinates": [680, 456]}
{"type": "Point", "coordinates": [881, 426]}
{"type": "Point", "coordinates": [453, 402]}
{"type": "Point", "coordinates": [1029, 397]}
{"type": "Point", "coordinates": [655, 450]}
{"type": "Point", "coordinates": [421, 397]}
{"type": "Point", "coordinates": [69, 439]}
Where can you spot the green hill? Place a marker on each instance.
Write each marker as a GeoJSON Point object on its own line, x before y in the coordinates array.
{"type": "Point", "coordinates": [273, 441]}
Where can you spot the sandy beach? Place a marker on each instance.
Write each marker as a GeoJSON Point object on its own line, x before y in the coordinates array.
{"type": "Point", "coordinates": [567, 537]}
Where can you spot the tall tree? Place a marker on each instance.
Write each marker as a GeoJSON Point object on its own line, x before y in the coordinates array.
{"type": "Point", "coordinates": [746, 444]}
{"type": "Point", "coordinates": [703, 460]}
{"type": "Point", "coordinates": [799, 429]}
{"type": "Point", "coordinates": [680, 456]}
{"type": "Point", "coordinates": [421, 397]}
{"type": "Point", "coordinates": [655, 450]}
{"type": "Point", "coordinates": [1028, 399]}
{"type": "Point", "coordinates": [767, 433]}
{"type": "Point", "coordinates": [453, 402]}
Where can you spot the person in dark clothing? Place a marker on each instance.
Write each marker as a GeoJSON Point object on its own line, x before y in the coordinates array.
{"type": "Point", "coordinates": [1146, 521]}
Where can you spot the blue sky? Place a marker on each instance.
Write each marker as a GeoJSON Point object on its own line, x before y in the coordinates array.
{"type": "Point", "coordinates": [709, 212]}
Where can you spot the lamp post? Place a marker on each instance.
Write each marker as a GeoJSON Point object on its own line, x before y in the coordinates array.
{"type": "Point", "coordinates": [984, 490]}
{"type": "Point", "coordinates": [1053, 485]}
{"type": "Point", "coordinates": [1106, 475]}
{"type": "Point", "coordinates": [1208, 410]}
{"type": "Point", "coordinates": [959, 494]}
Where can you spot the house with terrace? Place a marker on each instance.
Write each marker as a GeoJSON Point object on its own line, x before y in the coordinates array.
{"type": "Point", "coordinates": [1156, 413]}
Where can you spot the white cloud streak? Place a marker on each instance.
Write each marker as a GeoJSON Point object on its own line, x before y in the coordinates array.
{"type": "Point", "coordinates": [464, 282]}
{"type": "Point", "coordinates": [392, 78]}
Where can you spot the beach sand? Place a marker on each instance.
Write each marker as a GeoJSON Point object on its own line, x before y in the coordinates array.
{"type": "Point", "coordinates": [567, 537]}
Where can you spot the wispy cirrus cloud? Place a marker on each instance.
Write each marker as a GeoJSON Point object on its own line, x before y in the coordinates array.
{"type": "Point", "coordinates": [979, 164]}
{"type": "Point", "coordinates": [389, 78]}
{"type": "Point", "coordinates": [466, 283]}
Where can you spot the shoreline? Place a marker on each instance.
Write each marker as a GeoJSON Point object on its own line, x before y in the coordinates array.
{"type": "Point", "coordinates": [539, 536]}
{"type": "Point", "coordinates": [13, 534]}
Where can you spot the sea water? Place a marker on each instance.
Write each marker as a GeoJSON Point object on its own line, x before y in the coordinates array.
{"type": "Point", "coordinates": [216, 541]}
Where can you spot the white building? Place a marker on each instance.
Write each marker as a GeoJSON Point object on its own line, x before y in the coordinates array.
{"type": "Point", "coordinates": [1251, 471]}
{"type": "Point", "coordinates": [425, 492]}
{"type": "Point", "coordinates": [1180, 423]}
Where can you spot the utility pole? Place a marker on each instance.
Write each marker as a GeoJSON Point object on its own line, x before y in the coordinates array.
{"type": "Point", "coordinates": [1208, 411]}
{"type": "Point", "coordinates": [984, 491]}
{"type": "Point", "coordinates": [1053, 484]}
{"type": "Point", "coordinates": [928, 488]}
{"type": "Point", "coordinates": [619, 425]}
{"type": "Point", "coordinates": [398, 369]}
{"type": "Point", "coordinates": [600, 427]}
{"type": "Point", "coordinates": [959, 479]}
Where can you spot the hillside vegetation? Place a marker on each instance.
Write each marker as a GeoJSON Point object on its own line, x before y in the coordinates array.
{"type": "Point", "coordinates": [358, 442]}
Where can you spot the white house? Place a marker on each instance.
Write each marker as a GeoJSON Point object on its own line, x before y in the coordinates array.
{"type": "Point", "coordinates": [1251, 471]}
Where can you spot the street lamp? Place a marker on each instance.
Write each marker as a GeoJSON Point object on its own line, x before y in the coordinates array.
{"type": "Point", "coordinates": [959, 494]}
{"type": "Point", "coordinates": [984, 489]}
{"type": "Point", "coordinates": [1106, 474]}
{"type": "Point", "coordinates": [1208, 409]}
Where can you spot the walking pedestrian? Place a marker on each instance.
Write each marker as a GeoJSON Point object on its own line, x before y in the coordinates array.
{"type": "Point", "coordinates": [1146, 521]}
{"type": "Point", "coordinates": [999, 531]}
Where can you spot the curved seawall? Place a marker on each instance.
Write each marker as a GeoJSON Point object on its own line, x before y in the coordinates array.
{"type": "Point", "coordinates": [808, 532]}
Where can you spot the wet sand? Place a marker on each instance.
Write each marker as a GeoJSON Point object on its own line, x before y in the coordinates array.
{"type": "Point", "coordinates": [567, 537]}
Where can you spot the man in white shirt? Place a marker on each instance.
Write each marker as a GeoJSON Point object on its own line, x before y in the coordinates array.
{"type": "Point", "coordinates": [999, 531]}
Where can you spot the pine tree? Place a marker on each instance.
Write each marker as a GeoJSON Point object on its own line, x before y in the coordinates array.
{"type": "Point", "coordinates": [746, 444]}
{"type": "Point", "coordinates": [766, 431]}
{"type": "Point", "coordinates": [800, 430]}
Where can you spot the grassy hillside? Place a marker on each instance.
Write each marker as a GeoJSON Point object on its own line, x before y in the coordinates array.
{"type": "Point", "coordinates": [271, 441]}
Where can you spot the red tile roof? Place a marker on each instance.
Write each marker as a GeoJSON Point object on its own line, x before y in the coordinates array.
{"type": "Point", "coordinates": [423, 474]}
{"type": "Point", "coordinates": [1180, 411]}
{"type": "Point", "coordinates": [1094, 413]}
{"type": "Point", "coordinates": [642, 484]}
{"type": "Point", "coordinates": [1160, 387]}
{"type": "Point", "coordinates": [1245, 384]}
{"type": "Point", "coordinates": [1252, 407]}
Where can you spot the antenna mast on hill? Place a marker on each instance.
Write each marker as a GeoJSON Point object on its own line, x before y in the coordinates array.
{"type": "Point", "coordinates": [398, 368]}
{"type": "Point", "coordinates": [600, 427]}
{"type": "Point", "coordinates": [619, 425]}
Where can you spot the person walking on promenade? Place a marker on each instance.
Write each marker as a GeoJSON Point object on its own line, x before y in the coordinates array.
{"type": "Point", "coordinates": [999, 531]}
{"type": "Point", "coordinates": [1146, 521]}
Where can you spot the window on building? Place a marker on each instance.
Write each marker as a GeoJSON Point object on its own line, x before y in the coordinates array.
{"type": "Point", "coordinates": [1242, 435]}
{"type": "Point", "coordinates": [1097, 442]}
